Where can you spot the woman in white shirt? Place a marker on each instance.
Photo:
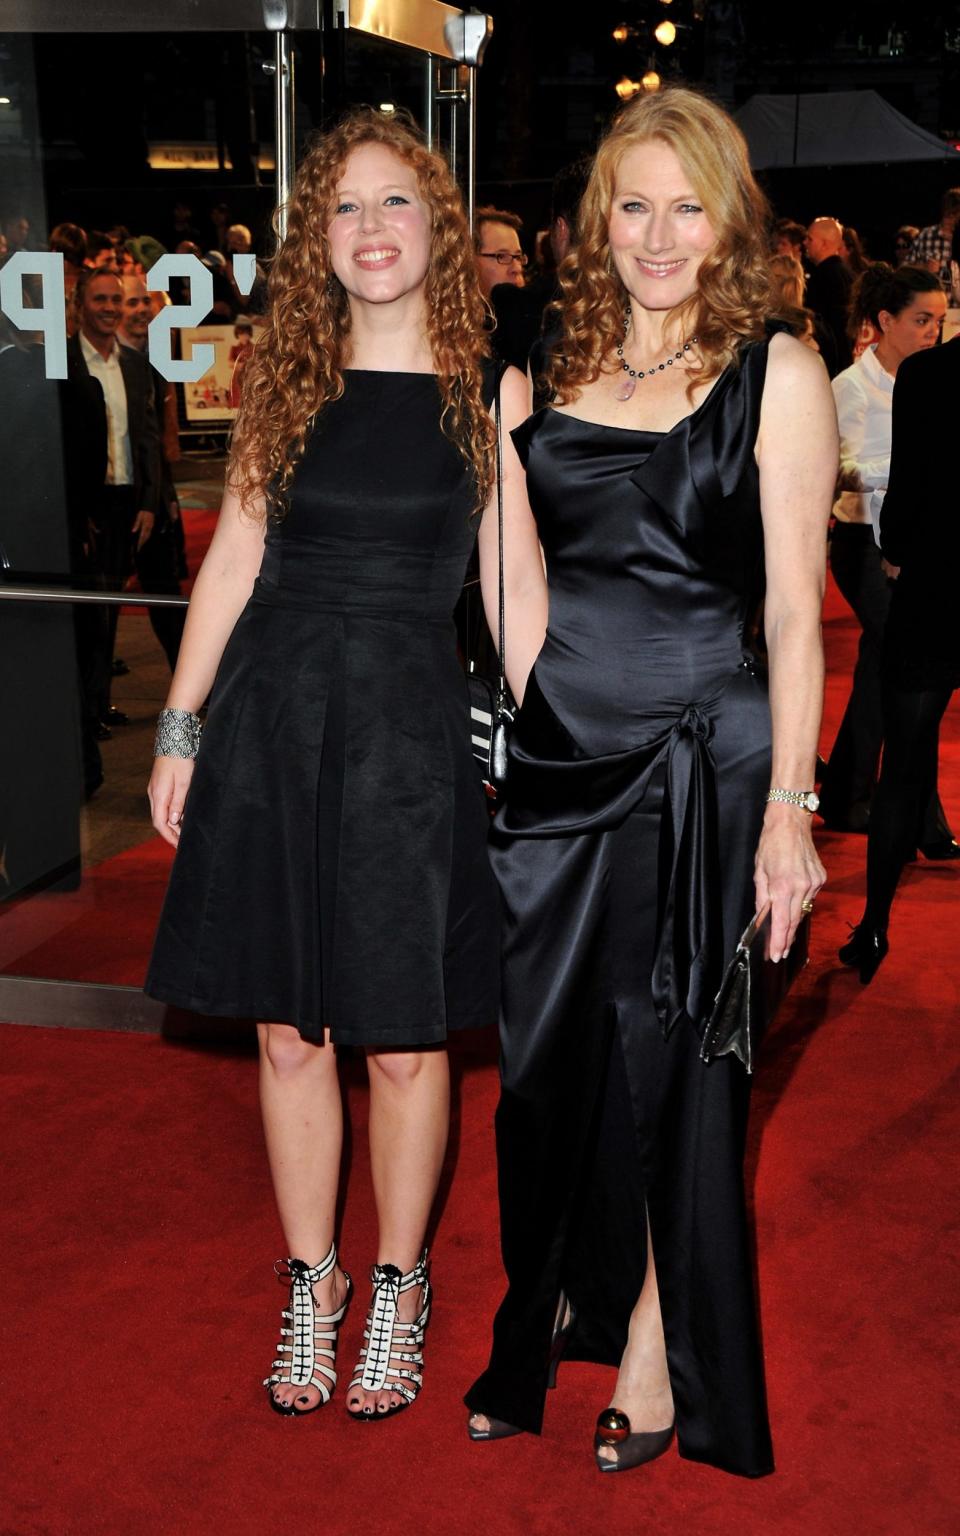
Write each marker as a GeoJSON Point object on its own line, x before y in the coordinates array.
{"type": "Point", "coordinates": [906, 306]}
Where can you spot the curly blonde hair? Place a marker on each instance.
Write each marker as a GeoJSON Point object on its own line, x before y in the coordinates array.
{"type": "Point", "coordinates": [299, 358]}
{"type": "Point", "coordinates": [732, 299]}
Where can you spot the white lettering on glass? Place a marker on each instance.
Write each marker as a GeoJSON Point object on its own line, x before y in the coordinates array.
{"type": "Point", "coordinates": [180, 370]}
{"type": "Point", "coordinates": [49, 318]}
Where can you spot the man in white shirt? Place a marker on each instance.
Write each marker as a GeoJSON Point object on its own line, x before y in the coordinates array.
{"type": "Point", "coordinates": [128, 506]}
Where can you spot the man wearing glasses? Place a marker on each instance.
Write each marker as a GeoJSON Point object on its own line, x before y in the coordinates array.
{"type": "Point", "coordinates": [499, 256]}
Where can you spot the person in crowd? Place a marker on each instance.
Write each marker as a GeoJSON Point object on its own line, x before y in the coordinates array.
{"type": "Point", "coordinates": [160, 559]}
{"type": "Point", "coordinates": [129, 497]}
{"type": "Point", "coordinates": [788, 239]}
{"type": "Point", "coordinates": [223, 309]}
{"type": "Point", "coordinates": [788, 283]}
{"type": "Point", "coordinates": [906, 307]}
{"type": "Point", "coordinates": [71, 242]}
{"type": "Point", "coordinates": [920, 667]}
{"type": "Point", "coordinates": [16, 232]}
{"type": "Point", "coordinates": [331, 876]}
{"type": "Point", "coordinates": [852, 252]}
{"type": "Point", "coordinates": [182, 227]}
{"type": "Point", "coordinates": [933, 247]}
{"type": "Point", "coordinates": [219, 220]}
{"type": "Point", "coordinates": [903, 243]}
{"type": "Point", "coordinates": [828, 291]}
{"type": "Point", "coordinates": [500, 256]}
{"type": "Point", "coordinates": [520, 312]}
{"type": "Point", "coordinates": [101, 251]}
{"type": "Point", "coordinates": [656, 798]}
{"type": "Point", "coordinates": [247, 299]}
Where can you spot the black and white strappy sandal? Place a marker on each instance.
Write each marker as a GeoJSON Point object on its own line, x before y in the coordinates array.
{"type": "Point", "coordinates": [391, 1359]}
{"type": "Point", "coordinates": [307, 1351]}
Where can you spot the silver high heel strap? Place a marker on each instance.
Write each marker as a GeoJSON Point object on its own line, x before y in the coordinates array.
{"type": "Point", "coordinates": [387, 1338]}
{"type": "Point", "coordinates": [307, 1360]}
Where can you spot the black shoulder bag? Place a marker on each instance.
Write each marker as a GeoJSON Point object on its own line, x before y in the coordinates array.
{"type": "Point", "coordinates": [491, 708]}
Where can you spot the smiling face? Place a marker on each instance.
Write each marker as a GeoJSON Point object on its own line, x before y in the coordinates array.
{"type": "Point", "coordinates": [137, 308]}
{"type": "Point", "coordinates": [657, 228]}
{"type": "Point", "coordinates": [916, 328]}
{"type": "Point", "coordinates": [380, 228]}
{"type": "Point", "coordinates": [101, 308]}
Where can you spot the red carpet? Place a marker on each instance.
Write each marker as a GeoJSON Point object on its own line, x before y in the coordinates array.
{"type": "Point", "coordinates": [139, 1314]}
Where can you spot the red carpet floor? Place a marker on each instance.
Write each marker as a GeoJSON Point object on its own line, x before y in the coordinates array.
{"type": "Point", "coordinates": [139, 1309]}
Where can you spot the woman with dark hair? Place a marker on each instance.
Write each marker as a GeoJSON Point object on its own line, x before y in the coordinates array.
{"type": "Point", "coordinates": [852, 252]}
{"type": "Point", "coordinates": [906, 307]}
{"type": "Point", "coordinates": [657, 797]}
{"type": "Point", "coordinates": [331, 876]}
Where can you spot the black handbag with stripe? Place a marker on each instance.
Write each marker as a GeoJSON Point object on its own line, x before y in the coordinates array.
{"type": "Point", "coordinates": [492, 709]}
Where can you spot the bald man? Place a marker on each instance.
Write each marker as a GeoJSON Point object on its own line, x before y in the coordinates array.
{"type": "Point", "coordinates": [828, 291]}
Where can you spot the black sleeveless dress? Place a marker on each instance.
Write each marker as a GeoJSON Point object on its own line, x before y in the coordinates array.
{"type": "Point", "coordinates": [624, 853]}
{"type": "Point", "coordinates": [332, 870]}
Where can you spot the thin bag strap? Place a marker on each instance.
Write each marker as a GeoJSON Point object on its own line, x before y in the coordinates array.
{"type": "Point", "coordinates": [501, 644]}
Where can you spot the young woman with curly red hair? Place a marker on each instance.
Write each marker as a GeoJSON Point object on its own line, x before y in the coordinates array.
{"type": "Point", "coordinates": [685, 455]}
{"type": "Point", "coordinates": [331, 876]}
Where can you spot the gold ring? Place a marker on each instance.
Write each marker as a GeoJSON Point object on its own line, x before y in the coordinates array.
{"type": "Point", "coordinates": [806, 906]}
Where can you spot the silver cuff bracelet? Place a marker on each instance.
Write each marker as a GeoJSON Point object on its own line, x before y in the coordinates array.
{"type": "Point", "coordinates": [178, 734]}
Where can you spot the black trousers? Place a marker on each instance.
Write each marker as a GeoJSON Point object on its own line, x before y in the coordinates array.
{"type": "Point", "coordinates": [851, 774]}
{"type": "Point", "coordinates": [156, 567]}
{"type": "Point", "coordinates": [908, 777]}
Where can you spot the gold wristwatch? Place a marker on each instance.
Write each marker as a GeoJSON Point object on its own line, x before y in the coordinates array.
{"type": "Point", "coordinates": [806, 799]}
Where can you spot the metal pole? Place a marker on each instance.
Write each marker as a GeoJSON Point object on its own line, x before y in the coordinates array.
{"type": "Point", "coordinates": [283, 128]}
{"type": "Point", "coordinates": [429, 127]}
{"type": "Point", "coordinates": [471, 142]}
{"type": "Point", "coordinates": [110, 599]}
{"type": "Point", "coordinates": [452, 96]}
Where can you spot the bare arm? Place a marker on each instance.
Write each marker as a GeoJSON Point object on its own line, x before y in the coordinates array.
{"type": "Point", "coordinates": [524, 582]}
{"type": "Point", "coordinates": [223, 585]}
{"type": "Point", "coordinates": [797, 450]}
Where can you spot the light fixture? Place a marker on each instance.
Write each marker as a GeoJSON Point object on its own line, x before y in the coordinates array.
{"type": "Point", "coordinates": [665, 33]}
{"type": "Point", "coordinates": [626, 88]}
{"type": "Point", "coordinates": [4, 101]}
{"type": "Point", "coordinates": [621, 33]}
{"type": "Point", "coordinates": [388, 107]}
{"type": "Point", "coordinates": [651, 81]}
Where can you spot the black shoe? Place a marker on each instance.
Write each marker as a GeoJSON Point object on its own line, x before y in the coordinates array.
{"type": "Point", "coordinates": [119, 668]}
{"type": "Point", "coordinates": [115, 716]}
{"type": "Point", "coordinates": [865, 950]}
{"type": "Point", "coordinates": [947, 848]}
{"type": "Point", "coordinates": [613, 1429]}
{"type": "Point", "coordinates": [102, 732]}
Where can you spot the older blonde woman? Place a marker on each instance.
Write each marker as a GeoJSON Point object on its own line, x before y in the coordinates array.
{"type": "Point", "coordinates": [657, 794]}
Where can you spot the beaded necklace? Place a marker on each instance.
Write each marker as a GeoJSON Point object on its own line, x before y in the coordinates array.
{"type": "Point", "coordinates": [626, 387]}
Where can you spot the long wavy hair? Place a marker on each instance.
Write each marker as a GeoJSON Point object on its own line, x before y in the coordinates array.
{"type": "Point", "coordinates": [299, 358]}
{"type": "Point", "coordinates": [732, 298]}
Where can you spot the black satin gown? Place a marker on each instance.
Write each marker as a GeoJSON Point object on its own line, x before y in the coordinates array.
{"type": "Point", "coordinates": [332, 870]}
{"type": "Point", "coordinates": [624, 852]}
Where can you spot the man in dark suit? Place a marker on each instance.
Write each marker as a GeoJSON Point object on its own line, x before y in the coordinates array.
{"type": "Point", "coordinates": [828, 291]}
{"type": "Point", "coordinates": [125, 519]}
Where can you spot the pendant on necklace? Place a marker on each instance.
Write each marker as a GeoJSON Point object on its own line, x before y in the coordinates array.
{"type": "Point", "coordinates": [625, 388]}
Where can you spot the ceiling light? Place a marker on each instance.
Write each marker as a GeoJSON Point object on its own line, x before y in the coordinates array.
{"type": "Point", "coordinates": [626, 88]}
{"type": "Point", "coordinates": [665, 32]}
{"type": "Point", "coordinates": [651, 81]}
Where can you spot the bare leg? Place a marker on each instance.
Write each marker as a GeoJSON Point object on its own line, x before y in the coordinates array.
{"type": "Point", "coordinates": [303, 1127]}
{"type": "Point", "coordinates": [643, 1384]}
{"type": "Point", "coordinates": [409, 1121]}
